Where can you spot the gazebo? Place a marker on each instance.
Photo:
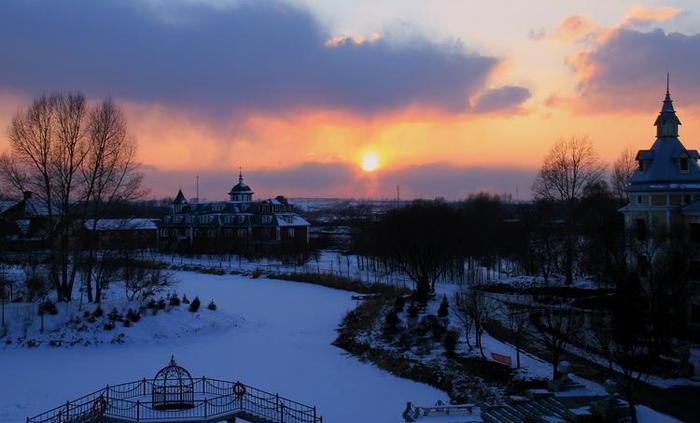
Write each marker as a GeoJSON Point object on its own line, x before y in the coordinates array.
{"type": "Point", "coordinates": [173, 388]}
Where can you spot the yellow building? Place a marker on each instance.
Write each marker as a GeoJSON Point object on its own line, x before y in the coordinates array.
{"type": "Point", "coordinates": [664, 206]}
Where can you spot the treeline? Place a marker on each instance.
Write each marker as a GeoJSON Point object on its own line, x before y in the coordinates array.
{"type": "Point", "coordinates": [430, 240]}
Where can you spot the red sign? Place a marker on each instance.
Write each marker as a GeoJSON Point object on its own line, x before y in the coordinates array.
{"type": "Point", "coordinates": [502, 358]}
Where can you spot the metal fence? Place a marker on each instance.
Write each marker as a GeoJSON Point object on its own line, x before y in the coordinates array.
{"type": "Point", "coordinates": [214, 400]}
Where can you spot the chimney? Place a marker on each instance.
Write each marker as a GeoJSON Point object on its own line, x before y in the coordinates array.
{"type": "Point", "coordinates": [27, 195]}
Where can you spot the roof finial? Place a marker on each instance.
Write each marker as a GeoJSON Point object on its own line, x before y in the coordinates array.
{"type": "Point", "coordinates": [240, 174]}
{"type": "Point", "coordinates": [668, 83]}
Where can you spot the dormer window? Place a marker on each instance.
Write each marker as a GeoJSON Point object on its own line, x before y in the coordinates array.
{"type": "Point", "coordinates": [684, 165]}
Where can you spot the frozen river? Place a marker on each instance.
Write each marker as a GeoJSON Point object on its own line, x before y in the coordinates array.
{"type": "Point", "coordinates": [282, 345]}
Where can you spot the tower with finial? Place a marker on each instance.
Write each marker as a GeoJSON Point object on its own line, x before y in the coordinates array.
{"type": "Point", "coordinates": [667, 122]}
{"type": "Point", "coordinates": [241, 192]}
{"type": "Point", "coordinates": [179, 202]}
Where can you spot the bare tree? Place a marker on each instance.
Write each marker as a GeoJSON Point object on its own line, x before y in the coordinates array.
{"type": "Point", "coordinates": [142, 282]}
{"type": "Point", "coordinates": [622, 170]}
{"type": "Point", "coordinates": [462, 312]}
{"type": "Point", "coordinates": [473, 304]}
{"type": "Point", "coordinates": [69, 155]}
{"type": "Point", "coordinates": [570, 166]}
{"type": "Point", "coordinates": [559, 325]}
{"type": "Point", "coordinates": [517, 319]}
{"type": "Point", "coordinates": [109, 175]}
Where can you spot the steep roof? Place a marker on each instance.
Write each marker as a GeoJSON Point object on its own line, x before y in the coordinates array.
{"type": "Point", "coordinates": [180, 198]}
{"type": "Point", "coordinates": [660, 165]}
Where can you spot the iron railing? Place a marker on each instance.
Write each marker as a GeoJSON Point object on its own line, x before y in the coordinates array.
{"type": "Point", "coordinates": [213, 399]}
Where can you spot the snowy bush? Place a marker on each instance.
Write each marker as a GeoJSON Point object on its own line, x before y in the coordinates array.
{"type": "Point", "coordinates": [161, 304]}
{"type": "Point", "coordinates": [412, 310]}
{"type": "Point", "coordinates": [114, 315]}
{"type": "Point", "coordinates": [185, 300]}
{"type": "Point", "coordinates": [450, 341]}
{"type": "Point", "coordinates": [399, 304]}
{"type": "Point", "coordinates": [48, 307]}
{"type": "Point", "coordinates": [443, 311]}
{"type": "Point", "coordinates": [98, 312]}
{"type": "Point", "coordinates": [194, 306]}
{"type": "Point", "coordinates": [109, 325]}
{"type": "Point", "coordinates": [133, 315]}
{"type": "Point", "coordinates": [174, 300]}
{"type": "Point", "coordinates": [212, 305]}
{"type": "Point", "coordinates": [391, 324]}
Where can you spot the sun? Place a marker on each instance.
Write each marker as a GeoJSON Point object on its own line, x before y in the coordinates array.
{"type": "Point", "coordinates": [370, 161]}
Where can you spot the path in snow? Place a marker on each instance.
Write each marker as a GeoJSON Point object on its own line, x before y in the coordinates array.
{"type": "Point", "coordinates": [283, 346]}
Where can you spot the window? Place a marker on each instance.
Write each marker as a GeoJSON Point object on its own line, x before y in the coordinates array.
{"type": "Point", "coordinates": [267, 219]}
{"type": "Point", "coordinates": [211, 233]}
{"type": "Point", "coordinates": [695, 314]}
{"type": "Point", "coordinates": [290, 232]}
{"type": "Point", "coordinates": [163, 232]}
{"type": "Point", "coordinates": [695, 270]}
{"type": "Point", "coordinates": [641, 227]}
{"type": "Point", "coordinates": [241, 219]}
{"type": "Point", "coordinates": [228, 233]}
{"type": "Point", "coordinates": [695, 232]}
{"type": "Point", "coordinates": [683, 164]}
{"type": "Point", "coordinates": [640, 199]}
{"type": "Point", "coordinates": [242, 233]}
{"type": "Point", "coordinates": [658, 200]}
{"type": "Point", "coordinates": [643, 264]}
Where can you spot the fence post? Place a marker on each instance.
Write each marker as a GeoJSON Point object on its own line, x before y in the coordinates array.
{"type": "Point", "coordinates": [205, 408]}
{"type": "Point", "coordinates": [277, 403]}
{"type": "Point", "coordinates": [144, 386]}
{"type": "Point", "coordinates": [314, 414]}
{"type": "Point", "coordinates": [67, 410]}
{"type": "Point", "coordinates": [138, 411]}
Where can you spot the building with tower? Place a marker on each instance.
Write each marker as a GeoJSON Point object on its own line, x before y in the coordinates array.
{"type": "Point", "coordinates": [664, 212]}
{"type": "Point", "coordinates": [240, 225]}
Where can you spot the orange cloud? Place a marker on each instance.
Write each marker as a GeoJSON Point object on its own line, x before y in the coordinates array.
{"type": "Point", "coordinates": [641, 15]}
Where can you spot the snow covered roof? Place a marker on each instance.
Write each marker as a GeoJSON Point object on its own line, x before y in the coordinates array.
{"type": "Point", "coordinates": [291, 219]}
{"type": "Point", "coordinates": [121, 224]}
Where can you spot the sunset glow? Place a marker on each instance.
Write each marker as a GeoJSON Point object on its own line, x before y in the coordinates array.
{"type": "Point", "coordinates": [314, 98]}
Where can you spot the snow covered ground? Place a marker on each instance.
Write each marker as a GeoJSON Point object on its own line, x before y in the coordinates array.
{"type": "Point", "coordinates": [281, 343]}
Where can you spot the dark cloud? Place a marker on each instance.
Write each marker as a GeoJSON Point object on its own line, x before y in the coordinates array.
{"type": "Point", "coordinates": [345, 180]}
{"type": "Point", "coordinates": [255, 55]}
{"type": "Point", "coordinates": [628, 69]}
{"type": "Point", "coordinates": [499, 99]}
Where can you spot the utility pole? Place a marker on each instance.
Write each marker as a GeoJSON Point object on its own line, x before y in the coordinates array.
{"type": "Point", "coordinates": [197, 188]}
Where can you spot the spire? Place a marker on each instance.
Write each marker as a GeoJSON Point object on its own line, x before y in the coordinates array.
{"type": "Point", "coordinates": [667, 122]}
{"type": "Point", "coordinates": [240, 174]}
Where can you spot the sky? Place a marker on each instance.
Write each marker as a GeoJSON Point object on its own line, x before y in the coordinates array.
{"type": "Point", "coordinates": [331, 98]}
